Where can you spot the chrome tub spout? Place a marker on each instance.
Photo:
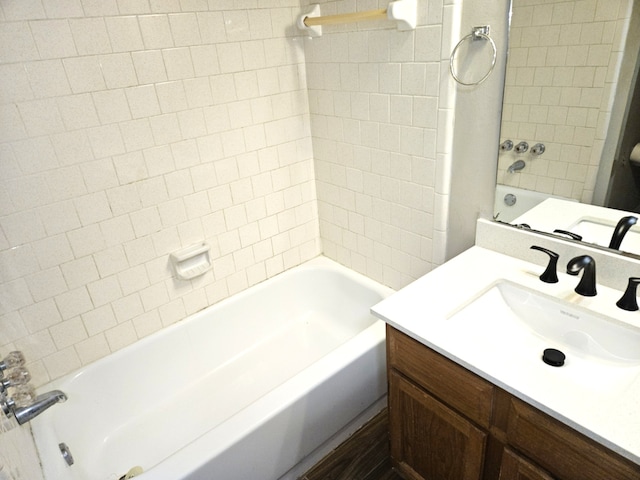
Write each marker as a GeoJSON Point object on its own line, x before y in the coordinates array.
{"type": "Point", "coordinates": [516, 166]}
{"type": "Point", "coordinates": [39, 405]}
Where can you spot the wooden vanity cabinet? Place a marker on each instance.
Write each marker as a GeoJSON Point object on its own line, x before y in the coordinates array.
{"type": "Point", "coordinates": [421, 422]}
{"type": "Point", "coordinates": [446, 423]}
{"type": "Point", "coordinates": [516, 467]}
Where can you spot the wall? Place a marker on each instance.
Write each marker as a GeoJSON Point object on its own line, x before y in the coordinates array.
{"type": "Point", "coordinates": [615, 184]}
{"type": "Point", "coordinates": [130, 129]}
{"type": "Point", "coordinates": [18, 454]}
{"type": "Point", "coordinates": [151, 125]}
{"type": "Point", "coordinates": [477, 112]}
{"type": "Point", "coordinates": [375, 111]}
{"type": "Point", "coordinates": [398, 195]}
{"type": "Point", "coordinates": [564, 61]}
{"type": "Point", "coordinates": [148, 126]}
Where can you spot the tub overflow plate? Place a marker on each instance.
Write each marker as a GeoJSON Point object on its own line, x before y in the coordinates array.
{"type": "Point", "coordinates": [66, 453]}
{"type": "Point", "coordinates": [510, 199]}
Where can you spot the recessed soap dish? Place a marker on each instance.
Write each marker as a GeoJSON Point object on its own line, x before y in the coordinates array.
{"type": "Point", "coordinates": [191, 261]}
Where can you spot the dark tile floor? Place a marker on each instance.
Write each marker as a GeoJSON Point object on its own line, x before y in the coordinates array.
{"type": "Point", "coordinates": [363, 456]}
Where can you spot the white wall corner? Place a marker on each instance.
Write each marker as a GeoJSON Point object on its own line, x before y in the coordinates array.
{"type": "Point", "coordinates": [476, 130]}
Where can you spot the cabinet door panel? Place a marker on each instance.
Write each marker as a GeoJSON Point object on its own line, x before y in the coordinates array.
{"type": "Point", "coordinates": [514, 467]}
{"type": "Point", "coordinates": [561, 450]}
{"type": "Point", "coordinates": [449, 382]}
{"type": "Point", "coordinates": [429, 440]}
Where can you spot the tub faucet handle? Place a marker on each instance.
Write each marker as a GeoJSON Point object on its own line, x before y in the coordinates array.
{"type": "Point", "coordinates": [629, 300]}
{"type": "Point", "coordinates": [549, 275]}
{"type": "Point", "coordinates": [14, 359]}
{"type": "Point", "coordinates": [538, 149]}
{"type": "Point", "coordinates": [506, 146]}
{"type": "Point", "coordinates": [17, 376]}
{"type": "Point", "coordinates": [23, 395]}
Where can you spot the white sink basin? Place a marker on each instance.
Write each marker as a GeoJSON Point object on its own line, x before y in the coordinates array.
{"type": "Point", "coordinates": [508, 313]}
{"type": "Point", "coordinates": [595, 224]}
{"type": "Point", "coordinates": [599, 231]}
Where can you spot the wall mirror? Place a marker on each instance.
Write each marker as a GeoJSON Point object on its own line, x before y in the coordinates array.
{"type": "Point", "coordinates": [571, 113]}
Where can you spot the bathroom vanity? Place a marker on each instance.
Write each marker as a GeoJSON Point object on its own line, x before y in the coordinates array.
{"type": "Point", "coordinates": [446, 422]}
{"type": "Point", "coordinates": [469, 394]}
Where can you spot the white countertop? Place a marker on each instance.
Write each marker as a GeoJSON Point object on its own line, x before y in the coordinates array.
{"type": "Point", "coordinates": [604, 407]}
{"type": "Point", "coordinates": [594, 223]}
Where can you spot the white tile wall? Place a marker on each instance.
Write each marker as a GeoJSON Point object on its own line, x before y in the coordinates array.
{"type": "Point", "coordinates": [562, 68]}
{"type": "Point", "coordinates": [147, 125]}
{"type": "Point", "coordinates": [374, 100]}
{"type": "Point", "coordinates": [152, 124]}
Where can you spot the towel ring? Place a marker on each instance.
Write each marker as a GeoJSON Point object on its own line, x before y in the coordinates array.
{"type": "Point", "coordinates": [476, 34]}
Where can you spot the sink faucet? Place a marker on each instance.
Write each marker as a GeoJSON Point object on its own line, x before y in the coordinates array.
{"type": "Point", "coordinates": [623, 226]}
{"type": "Point", "coordinates": [39, 405]}
{"type": "Point", "coordinates": [587, 285]}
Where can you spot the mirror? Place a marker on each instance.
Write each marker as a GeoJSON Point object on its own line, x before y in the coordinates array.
{"type": "Point", "coordinates": [572, 95]}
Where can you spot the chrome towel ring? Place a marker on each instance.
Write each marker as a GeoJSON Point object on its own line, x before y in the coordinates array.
{"type": "Point", "coordinates": [478, 33]}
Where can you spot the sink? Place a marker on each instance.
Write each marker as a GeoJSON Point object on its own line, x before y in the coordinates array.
{"type": "Point", "coordinates": [491, 314]}
{"type": "Point", "coordinates": [516, 319]}
{"type": "Point", "coordinates": [594, 223]}
{"type": "Point", "coordinates": [599, 230]}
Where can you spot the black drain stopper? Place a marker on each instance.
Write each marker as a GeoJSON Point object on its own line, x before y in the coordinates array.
{"type": "Point", "coordinates": [553, 357]}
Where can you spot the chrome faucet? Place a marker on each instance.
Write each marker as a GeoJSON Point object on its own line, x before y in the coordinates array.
{"type": "Point", "coordinates": [623, 226]}
{"type": "Point", "coordinates": [19, 402]}
{"type": "Point", "coordinates": [39, 405]}
{"type": "Point", "coordinates": [587, 285]}
{"type": "Point", "coordinates": [515, 166]}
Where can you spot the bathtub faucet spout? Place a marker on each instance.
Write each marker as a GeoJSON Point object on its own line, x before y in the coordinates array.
{"type": "Point", "coordinates": [40, 404]}
{"type": "Point", "coordinates": [516, 166]}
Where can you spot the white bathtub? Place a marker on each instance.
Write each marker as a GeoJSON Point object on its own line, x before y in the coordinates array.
{"type": "Point", "coordinates": [245, 389]}
{"type": "Point", "coordinates": [525, 201]}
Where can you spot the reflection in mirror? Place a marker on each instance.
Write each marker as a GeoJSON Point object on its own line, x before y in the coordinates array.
{"type": "Point", "coordinates": [572, 96]}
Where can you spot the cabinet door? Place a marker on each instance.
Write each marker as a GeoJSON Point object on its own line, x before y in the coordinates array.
{"type": "Point", "coordinates": [455, 386]}
{"type": "Point", "coordinates": [429, 440]}
{"type": "Point", "coordinates": [515, 467]}
{"type": "Point", "coordinates": [561, 450]}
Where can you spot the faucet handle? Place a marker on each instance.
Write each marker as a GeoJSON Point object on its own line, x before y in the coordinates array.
{"type": "Point", "coordinates": [549, 275]}
{"type": "Point", "coordinates": [571, 235]}
{"type": "Point", "coordinates": [538, 149]}
{"type": "Point", "coordinates": [23, 395]}
{"type": "Point", "coordinates": [628, 301]}
{"type": "Point", "coordinates": [17, 376]}
{"type": "Point", "coordinates": [14, 359]}
{"type": "Point", "coordinates": [506, 145]}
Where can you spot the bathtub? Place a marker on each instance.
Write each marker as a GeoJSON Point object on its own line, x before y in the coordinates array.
{"type": "Point", "coordinates": [525, 201]}
{"type": "Point", "coordinates": [249, 388]}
